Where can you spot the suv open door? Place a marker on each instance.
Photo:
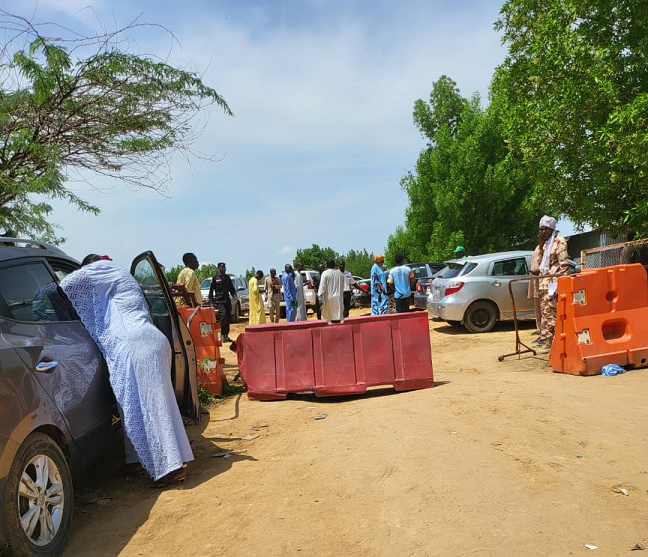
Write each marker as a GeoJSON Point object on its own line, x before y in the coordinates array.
{"type": "Point", "coordinates": [148, 274]}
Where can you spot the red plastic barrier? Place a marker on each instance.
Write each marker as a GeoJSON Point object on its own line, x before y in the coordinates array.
{"type": "Point", "coordinates": [336, 358]}
{"type": "Point", "coordinates": [601, 318]}
{"type": "Point", "coordinates": [204, 330]}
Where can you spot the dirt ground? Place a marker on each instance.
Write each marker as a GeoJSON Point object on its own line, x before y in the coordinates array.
{"type": "Point", "coordinates": [497, 459]}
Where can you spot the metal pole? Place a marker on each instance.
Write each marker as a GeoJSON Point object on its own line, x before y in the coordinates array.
{"type": "Point", "coordinates": [518, 342]}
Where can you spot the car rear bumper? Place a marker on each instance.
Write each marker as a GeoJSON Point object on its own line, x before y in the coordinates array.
{"type": "Point", "coordinates": [446, 309]}
{"type": "Point", "coordinates": [420, 301]}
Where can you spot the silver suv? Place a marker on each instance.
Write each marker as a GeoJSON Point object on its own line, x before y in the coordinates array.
{"type": "Point", "coordinates": [473, 291]}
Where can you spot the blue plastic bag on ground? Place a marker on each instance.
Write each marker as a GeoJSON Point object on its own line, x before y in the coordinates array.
{"type": "Point", "coordinates": [612, 369]}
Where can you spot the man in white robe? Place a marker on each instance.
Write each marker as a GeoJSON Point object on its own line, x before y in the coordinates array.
{"type": "Point", "coordinates": [301, 301]}
{"type": "Point", "coordinates": [331, 293]}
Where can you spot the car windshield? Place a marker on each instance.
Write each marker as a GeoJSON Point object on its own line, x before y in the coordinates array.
{"type": "Point", "coordinates": [419, 270]}
{"type": "Point", "coordinates": [452, 270]}
{"type": "Point", "coordinates": [205, 284]}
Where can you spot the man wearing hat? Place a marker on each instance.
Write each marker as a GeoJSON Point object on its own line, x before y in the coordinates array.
{"type": "Point", "coordinates": [554, 261]}
{"type": "Point", "coordinates": [460, 252]}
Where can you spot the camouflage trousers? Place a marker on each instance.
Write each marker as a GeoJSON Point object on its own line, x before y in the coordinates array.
{"type": "Point", "coordinates": [548, 311]}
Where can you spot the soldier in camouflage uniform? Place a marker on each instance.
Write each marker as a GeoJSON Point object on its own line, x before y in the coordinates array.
{"type": "Point", "coordinates": [555, 261]}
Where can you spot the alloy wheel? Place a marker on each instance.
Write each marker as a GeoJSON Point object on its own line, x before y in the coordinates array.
{"type": "Point", "coordinates": [41, 500]}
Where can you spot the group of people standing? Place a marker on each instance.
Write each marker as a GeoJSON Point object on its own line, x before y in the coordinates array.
{"type": "Point", "coordinates": [333, 293]}
{"type": "Point", "coordinates": [398, 281]}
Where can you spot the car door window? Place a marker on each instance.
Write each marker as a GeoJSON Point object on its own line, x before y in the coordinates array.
{"type": "Point", "coordinates": [510, 268]}
{"type": "Point", "coordinates": [29, 293]}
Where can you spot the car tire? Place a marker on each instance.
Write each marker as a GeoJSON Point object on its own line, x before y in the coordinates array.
{"type": "Point", "coordinates": [282, 312]}
{"type": "Point", "coordinates": [391, 304]}
{"type": "Point", "coordinates": [480, 317]}
{"type": "Point", "coordinates": [52, 502]}
{"type": "Point", "coordinates": [236, 315]}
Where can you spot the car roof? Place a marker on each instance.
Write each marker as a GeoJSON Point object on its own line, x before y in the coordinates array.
{"type": "Point", "coordinates": [16, 248]}
{"type": "Point", "coordinates": [490, 256]}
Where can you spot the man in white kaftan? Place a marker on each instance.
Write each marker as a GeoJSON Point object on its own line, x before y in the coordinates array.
{"type": "Point", "coordinates": [113, 309]}
{"type": "Point", "coordinates": [331, 292]}
{"type": "Point", "coordinates": [301, 301]}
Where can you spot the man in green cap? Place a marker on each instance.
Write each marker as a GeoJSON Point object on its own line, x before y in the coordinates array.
{"type": "Point", "coordinates": [460, 252]}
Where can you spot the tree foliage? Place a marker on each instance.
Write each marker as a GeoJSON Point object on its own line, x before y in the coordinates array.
{"type": "Point", "coordinates": [111, 113]}
{"type": "Point", "coordinates": [574, 93]}
{"type": "Point", "coordinates": [314, 256]}
{"type": "Point", "coordinates": [465, 189]}
{"type": "Point", "coordinates": [206, 271]}
{"type": "Point", "coordinates": [359, 262]}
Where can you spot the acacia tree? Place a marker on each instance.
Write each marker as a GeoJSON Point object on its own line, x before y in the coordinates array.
{"type": "Point", "coordinates": [574, 92]}
{"type": "Point", "coordinates": [111, 113]}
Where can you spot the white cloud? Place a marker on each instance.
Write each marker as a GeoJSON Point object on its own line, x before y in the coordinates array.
{"type": "Point", "coordinates": [286, 250]}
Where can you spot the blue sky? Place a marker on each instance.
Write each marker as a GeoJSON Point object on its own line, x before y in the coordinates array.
{"type": "Point", "coordinates": [322, 93]}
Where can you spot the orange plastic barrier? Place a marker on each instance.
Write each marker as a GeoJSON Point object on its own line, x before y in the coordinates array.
{"type": "Point", "coordinates": [336, 358]}
{"type": "Point", "coordinates": [204, 330]}
{"type": "Point", "coordinates": [601, 318]}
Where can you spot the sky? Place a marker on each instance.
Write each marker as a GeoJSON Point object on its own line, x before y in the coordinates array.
{"type": "Point", "coordinates": [322, 93]}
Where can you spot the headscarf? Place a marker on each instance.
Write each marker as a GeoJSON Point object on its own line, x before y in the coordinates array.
{"type": "Point", "coordinates": [547, 222]}
{"type": "Point", "coordinates": [379, 258]}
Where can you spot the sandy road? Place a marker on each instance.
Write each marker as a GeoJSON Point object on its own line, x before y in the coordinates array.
{"type": "Point", "coordinates": [498, 459]}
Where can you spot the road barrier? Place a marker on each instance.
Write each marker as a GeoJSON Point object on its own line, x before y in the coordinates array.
{"type": "Point", "coordinates": [336, 358]}
{"type": "Point", "coordinates": [601, 318]}
{"type": "Point", "coordinates": [204, 331]}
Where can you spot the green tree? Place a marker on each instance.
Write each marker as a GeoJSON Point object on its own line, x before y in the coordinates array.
{"type": "Point", "coordinates": [249, 273]}
{"type": "Point", "coordinates": [112, 114]}
{"type": "Point", "coordinates": [314, 256]}
{"type": "Point", "coordinates": [173, 272]}
{"type": "Point", "coordinates": [465, 188]}
{"type": "Point", "coordinates": [359, 262]}
{"type": "Point", "coordinates": [574, 92]}
{"type": "Point", "coordinates": [206, 271]}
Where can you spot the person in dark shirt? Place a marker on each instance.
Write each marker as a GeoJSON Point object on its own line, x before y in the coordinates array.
{"type": "Point", "coordinates": [219, 297]}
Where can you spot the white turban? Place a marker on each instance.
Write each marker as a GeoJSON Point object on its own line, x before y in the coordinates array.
{"type": "Point", "coordinates": [548, 222]}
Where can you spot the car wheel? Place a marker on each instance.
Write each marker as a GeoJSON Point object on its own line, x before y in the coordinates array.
{"type": "Point", "coordinates": [282, 312]}
{"type": "Point", "coordinates": [39, 498]}
{"type": "Point", "coordinates": [480, 317]}
{"type": "Point", "coordinates": [391, 304]}
{"type": "Point", "coordinates": [236, 316]}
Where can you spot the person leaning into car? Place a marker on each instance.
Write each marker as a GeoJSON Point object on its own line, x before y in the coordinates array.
{"type": "Point", "coordinates": [219, 296]}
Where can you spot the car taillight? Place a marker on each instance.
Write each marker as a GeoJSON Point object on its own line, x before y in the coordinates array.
{"type": "Point", "coordinates": [453, 288]}
{"type": "Point", "coordinates": [418, 287]}
{"type": "Point", "coordinates": [310, 284]}
{"type": "Point", "coordinates": [364, 287]}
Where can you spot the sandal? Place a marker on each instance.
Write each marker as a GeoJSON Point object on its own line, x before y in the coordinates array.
{"type": "Point", "coordinates": [175, 477]}
{"type": "Point", "coordinates": [133, 469]}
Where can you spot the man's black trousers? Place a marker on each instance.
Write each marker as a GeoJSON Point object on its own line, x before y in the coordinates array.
{"type": "Point", "coordinates": [224, 312]}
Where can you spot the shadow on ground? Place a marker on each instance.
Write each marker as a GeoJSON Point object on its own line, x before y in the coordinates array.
{"type": "Point", "coordinates": [103, 492]}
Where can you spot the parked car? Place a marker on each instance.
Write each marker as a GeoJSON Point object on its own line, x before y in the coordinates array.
{"type": "Point", "coordinates": [420, 271]}
{"type": "Point", "coordinates": [362, 296]}
{"type": "Point", "coordinates": [58, 413]}
{"type": "Point", "coordinates": [421, 291]}
{"type": "Point", "coordinates": [240, 307]}
{"type": "Point", "coordinates": [473, 291]}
